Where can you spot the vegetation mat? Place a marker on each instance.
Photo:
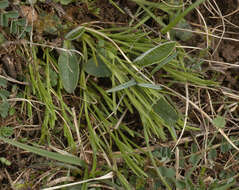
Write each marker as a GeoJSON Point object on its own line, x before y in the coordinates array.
{"type": "Point", "coordinates": [119, 94]}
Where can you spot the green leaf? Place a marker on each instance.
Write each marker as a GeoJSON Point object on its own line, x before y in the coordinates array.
{"type": "Point", "coordinates": [5, 161]}
{"type": "Point", "coordinates": [227, 185]}
{"type": "Point", "coordinates": [122, 86]}
{"type": "Point", "coordinates": [2, 40]}
{"type": "Point", "coordinates": [19, 26]}
{"type": "Point", "coordinates": [152, 86]}
{"type": "Point", "coordinates": [180, 16]}
{"type": "Point", "coordinates": [166, 112]}
{"type": "Point", "coordinates": [6, 131]}
{"type": "Point", "coordinates": [219, 122]}
{"type": "Point", "coordinates": [194, 159]}
{"type": "Point", "coordinates": [98, 69]}
{"type": "Point", "coordinates": [225, 147]}
{"type": "Point", "coordinates": [4, 107]}
{"type": "Point", "coordinates": [13, 27]}
{"type": "Point", "coordinates": [52, 155]}
{"type": "Point", "coordinates": [3, 20]}
{"type": "Point", "coordinates": [189, 76]}
{"type": "Point", "coordinates": [164, 62]}
{"type": "Point", "coordinates": [168, 172]}
{"type": "Point", "coordinates": [4, 4]}
{"type": "Point", "coordinates": [194, 148]}
{"type": "Point", "coordinates": [69, 70]}
{"type": "Point", "coordinates": [123, 180]}
{"type": "Point", "coordinates": [53, 78]}
{"type": "Point", "coordinates": [12, 14]}
{"type": "Point", "coordinates": [28, 29]}
{"type": "Point", "coordinates": [212, 154]}
{"type": "Point", "coordinates": [65, 2]}
{"type": "Point", "coordinates": [180, 184]}
{"type": "Point", "coordinates": [3, 82]}
{"type": "Point", "coordinates": [6, 16]}
{"type": "Point", "coordinates": [75, 33]}
{"type": "Point", "coordinates": [21, 22]}
{"type": "Point", "coordinates": [156, 54]}
{"type": "Point", "coordinates": [182, 35]}
{"type": "Point", "coordinates": [4, 94]}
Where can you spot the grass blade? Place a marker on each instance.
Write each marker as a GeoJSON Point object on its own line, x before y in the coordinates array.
{"type": "Point", "coordinates": [181, 16]}
{"type": "Point", "coordinates": [122, 86]}
{"type": "Point", "coordinates": [52, 155]}
{"type": "Point", "coordinates": [152, 86]}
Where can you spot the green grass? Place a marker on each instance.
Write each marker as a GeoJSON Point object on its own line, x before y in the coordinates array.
{"type": "Point", "coordinates": [109, 103]}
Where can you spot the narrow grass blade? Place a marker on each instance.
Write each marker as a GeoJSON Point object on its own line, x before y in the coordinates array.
{"type": "Point", "coordinates": [115, 4]}
{"type": "Point", "coordinates": [122, 86]}
{"type": "Point", "coordinates": [162, 6]}
{"type": "Point", "coordinates": [152, 86]}
{"type": "Point", "coordinates": [190, 77]}
{"type": "Point", "coordinates": [151, 14]}
{"type": "Point", "coordinates": [52, 155]}
{"type": "Point", "coordinates": [154, 162]}
{"type": "Point", "coordinates": [123, 180]}
{"type": "Point", "coordinates": [181, 16]}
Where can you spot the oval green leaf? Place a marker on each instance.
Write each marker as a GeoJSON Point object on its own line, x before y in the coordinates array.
{"type": "Point", "coordinates": [69, 70]}
{"type": "Point", "coordinates": [98, 69]}
{"type": "Point", "coordinates": [219, 121]}
{"type": "Point", "coordinates": [166, 112]}
{"type": "Point", "coordinates": [156, 54]}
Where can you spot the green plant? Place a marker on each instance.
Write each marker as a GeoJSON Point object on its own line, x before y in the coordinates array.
{"type": "Point", "coordinates": [107, 101]}
{"type": "Point", "coordinates": [55, 156]}
{"type": "Point", "coordinates": [106, 59]}
{"type": "Point", "coordinates": [6, 131]}
{"type": "Point", "coordinates": [4, 94]}
{"type": "Point", "coordinates": [5, 161]}
{"type": "Point", "coordinates": [17, 26]}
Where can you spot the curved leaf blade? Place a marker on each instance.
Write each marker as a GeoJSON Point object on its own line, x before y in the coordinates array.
{"type": "Point", "coordinates": [152, 86]}
{"type": "Point", "coordinates": [122, 86]}
{"type": "Point", "coordinates": [75, 33]}
{"type": "Point", "coordinates": [69, 70]}
{"type": "Point", "coordinates": [156, 54]}
{"type": "Point", "coordinates": [52, 155]}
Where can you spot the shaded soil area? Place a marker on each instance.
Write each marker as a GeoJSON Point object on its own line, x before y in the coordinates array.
{"type": "Point", "coordinates": [222, 22]}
